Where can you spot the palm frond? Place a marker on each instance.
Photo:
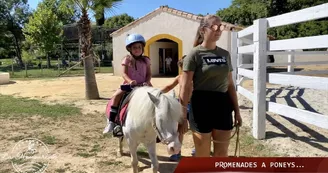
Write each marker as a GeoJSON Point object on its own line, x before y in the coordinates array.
{"type": "Point", "coordinates": [78, 4]}
{"type": "Point", "coordinates": [103, 6]}
{"type": "Point", "coordinates": [112, 10]}
{"type": "Point", "coordinates": [70, 6]}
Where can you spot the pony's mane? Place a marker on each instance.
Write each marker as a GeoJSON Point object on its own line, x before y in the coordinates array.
{"type": "Point", "coordinates": [143, 109]}
{"type": "Point", "coordinates": [174, 113]}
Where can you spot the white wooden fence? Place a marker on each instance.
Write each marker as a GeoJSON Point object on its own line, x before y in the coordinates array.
{"type": "Point", "coordinates": [253, 41]}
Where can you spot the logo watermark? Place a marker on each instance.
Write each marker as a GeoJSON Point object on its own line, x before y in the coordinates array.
{"type": "Point", "coordinates": [29, 155]}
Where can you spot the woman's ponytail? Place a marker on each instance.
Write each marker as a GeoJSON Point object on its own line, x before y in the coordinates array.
{"type": "Point", "coordinates": [204, 22]}
{"type": "Point", "coordinates": [199, 38]}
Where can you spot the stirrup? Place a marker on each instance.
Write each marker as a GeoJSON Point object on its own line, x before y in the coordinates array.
{"type": "Point", "coordinates": [117, 132]}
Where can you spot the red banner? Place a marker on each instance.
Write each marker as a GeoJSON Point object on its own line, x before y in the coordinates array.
{"type": "Point", "coordinates": [253, 164]}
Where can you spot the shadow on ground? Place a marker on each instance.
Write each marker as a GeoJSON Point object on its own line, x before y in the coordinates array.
{"type": "Point", "coordinates": [314, 137]}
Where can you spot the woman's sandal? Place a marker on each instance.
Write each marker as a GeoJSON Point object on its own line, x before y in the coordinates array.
{"type": "Point", "coordinates": [193, 151]}
{"type": "Point", "coordinates": [175, 157]}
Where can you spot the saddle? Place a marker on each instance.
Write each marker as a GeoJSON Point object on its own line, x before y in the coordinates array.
{"type": "Point", "coordinates": [122, 108]}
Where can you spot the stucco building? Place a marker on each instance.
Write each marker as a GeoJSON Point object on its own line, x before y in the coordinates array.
{"type": "Point", "coordinates": [168, 32]}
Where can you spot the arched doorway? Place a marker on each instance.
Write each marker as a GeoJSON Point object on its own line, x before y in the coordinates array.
{"type": "Point", "coordinates": [161, 46]}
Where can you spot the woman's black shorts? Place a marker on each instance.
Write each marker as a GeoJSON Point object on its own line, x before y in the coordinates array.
{"type": "Point", "coordinates": [210, 110]}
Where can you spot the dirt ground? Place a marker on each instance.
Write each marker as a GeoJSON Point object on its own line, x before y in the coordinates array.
{"type": "Point", "coordinates": [76, 134]}
{"type": "Point", "coordinates": [287, 137]}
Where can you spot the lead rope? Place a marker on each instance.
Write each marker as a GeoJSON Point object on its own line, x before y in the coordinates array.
{"type": "Point", "coordinates": [237, 140]}
{"type": "Point", "coordinates": [237, 143]}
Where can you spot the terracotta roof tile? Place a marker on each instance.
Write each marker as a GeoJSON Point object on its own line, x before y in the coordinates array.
{"type": "Point", "coordinates": [172, 11]}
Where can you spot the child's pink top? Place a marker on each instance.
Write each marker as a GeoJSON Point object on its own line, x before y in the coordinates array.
{"type": "Point", "coordinates": [138, 72]}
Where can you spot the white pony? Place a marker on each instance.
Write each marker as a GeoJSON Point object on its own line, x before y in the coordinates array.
{"type": "Point", "coordinates": [151, 113]}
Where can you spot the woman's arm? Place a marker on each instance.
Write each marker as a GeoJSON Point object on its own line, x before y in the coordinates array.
{"type": "Point", "coordinates": [233, 94]}
{"type": "Point", "coordinates": [189, 67]}
{"type": "Point", "coordinates": [185, 89]}
{"type": "Point", "coordinates": [167, 88]}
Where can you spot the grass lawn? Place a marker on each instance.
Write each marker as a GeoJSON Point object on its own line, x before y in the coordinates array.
{"type": "Point", "coordinates": [35, 72]}
{"type": "Point", "coordinates": [11, 106]}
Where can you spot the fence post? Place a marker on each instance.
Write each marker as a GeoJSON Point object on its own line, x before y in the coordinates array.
{"type": "Point", "coordinates": [12, 66]}
{"type": "Point", "coordinates": [239, 60]}
{"type": "Point", "coordinates": [234, 57]}
{"type": "Point", "coordinates": [58, 65]}
{"type": "Point", "coordinates": [291, 58]}
{"type": "Point", "coordinates": [259, 82]}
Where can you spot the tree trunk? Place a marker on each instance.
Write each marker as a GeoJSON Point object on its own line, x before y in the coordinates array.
{"type": "Point", "coordinates": [13, 32]}
{"type": "Point", "coordinates": [48, 61]}
{"type": "Point", "coordinates": [26, 70]}
{"type": "Point", "coordinates": [101, 20]}
{"type": "Point", "coordinates": [91, 88]}
{"type": "Point", "coordinates": [18, 52]}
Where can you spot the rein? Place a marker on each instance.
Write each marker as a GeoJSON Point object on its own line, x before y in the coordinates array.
{"type": "Point", "coordinates": [237, 127]}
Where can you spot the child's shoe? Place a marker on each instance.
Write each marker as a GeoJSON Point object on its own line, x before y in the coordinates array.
{"type": "Point", "coordinates": [109, 127]}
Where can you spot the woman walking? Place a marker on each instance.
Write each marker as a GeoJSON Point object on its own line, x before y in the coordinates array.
{"type": "Point", "coordinates": [207, 69]}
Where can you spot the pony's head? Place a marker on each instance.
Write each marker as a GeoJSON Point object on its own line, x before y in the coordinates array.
{"type": "Point", "coordinates": [167, 116]}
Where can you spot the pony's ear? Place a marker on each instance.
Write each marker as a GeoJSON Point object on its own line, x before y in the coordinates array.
{"type": "Point", "coordinates": [154, 99]}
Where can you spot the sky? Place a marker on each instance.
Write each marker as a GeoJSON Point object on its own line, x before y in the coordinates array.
{"type": "Point", "coordinates": [139, 8]}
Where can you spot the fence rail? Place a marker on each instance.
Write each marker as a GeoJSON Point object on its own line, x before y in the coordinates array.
{"type": "Point", "coordinates": [298, 114]}
{"type": "Point", "coordinates": [253, 41]}
{"type": "Point", "coordinates": [285, 64]}
{"type": "Point", "coordinates": [304, 15]}
{"type": "Point", "coordinates": [300, 43]}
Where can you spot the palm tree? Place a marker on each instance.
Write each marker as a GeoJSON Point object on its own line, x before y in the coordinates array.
{"type": "Point", "coordinates": [97, 6]}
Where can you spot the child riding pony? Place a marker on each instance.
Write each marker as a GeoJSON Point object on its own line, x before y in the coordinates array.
{"type": "Point", "coordinates": [136, 71]}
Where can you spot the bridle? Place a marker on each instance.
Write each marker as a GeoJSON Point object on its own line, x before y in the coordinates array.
{"type": "Point", "coordinates": [163, 140]}
{"type": "Point", "coordinates": [160, 136]}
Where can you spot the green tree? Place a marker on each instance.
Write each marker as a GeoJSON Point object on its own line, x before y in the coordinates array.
{"type": "Point", "coordinates": [244, 12]}
{"type": "Point", "coordinates": [27, 57]}
{"type": "Point", "coordinates": [13, 15]}
{"type": "Point", "coordinates": [44, 30]}
{"type": "Point", "coordinates": [277, 7]}
{"type": "Point", "coordinates": [97, 6]}
{"type": "Point", "coordinates": [63, 15]}
{"type": "Point", "coordinates": [294, 5]}
{"type": "Point", "coordinates": [118, 21]}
